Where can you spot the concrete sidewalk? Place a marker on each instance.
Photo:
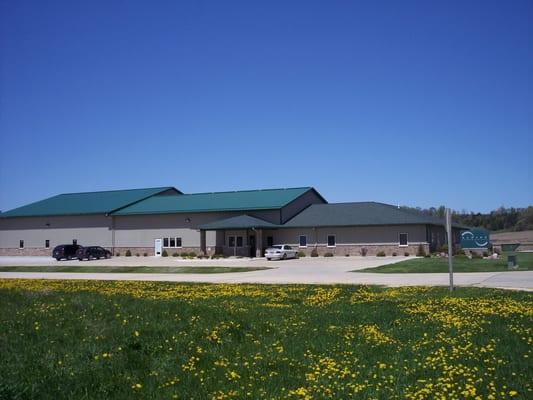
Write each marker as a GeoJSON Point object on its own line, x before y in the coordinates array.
{"type": "Point", "coordinates": [305, 271]}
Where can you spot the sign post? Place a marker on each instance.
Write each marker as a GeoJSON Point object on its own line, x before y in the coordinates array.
{"type": "Point", "coordinates": [450, 245]}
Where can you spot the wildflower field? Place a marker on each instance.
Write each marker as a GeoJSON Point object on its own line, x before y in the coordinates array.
{"type": "Point", "coordinates": [128, 340]}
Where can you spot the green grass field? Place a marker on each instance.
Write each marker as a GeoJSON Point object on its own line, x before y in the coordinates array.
{"type": "Point", "coordinates": [150, 340]}
{"type": "Point", "coordinates": [121, 269]}
{"type": "Point", "coordinates": [460, 264]}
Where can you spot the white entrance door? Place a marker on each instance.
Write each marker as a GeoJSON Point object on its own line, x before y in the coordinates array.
{"type": "Point", "coordinates": [158, 247]}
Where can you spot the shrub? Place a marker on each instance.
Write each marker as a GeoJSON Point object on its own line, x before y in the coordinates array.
{"type": "Point", "coordinates": [497, 251]}
{"type": "Point", "coordinates": [301, 254]}
{"type": "Point", "coordinates": [485, 254]}
{"type": "Point", "coordinates": [380, 253]}
{"type": "Point", "coordinates": [184, 254]}
{"type": "Point", "coordinates": [443, 248]}
{"type": "Point", "coordinates": [328, 254]}
{"type": "Point", "coordinates": [363, 251]}
{"type": "Point", "coordinates": [137, 255]}
{"type": "Point", "coordinates": [421, 252]}
{"type": "Point", "coordinates": [394, 254]}
{"type": "Point", "coordinates": [476, 255]}
{"type": "Point", "coordinates": [314, 253]}
{"type": "Point", "coordinates": [427, 256]}
{"type": "Point", "coordinates": [117, 255]}
{"type": "Point", "coordinates": [346, 255]}
{"type": "Point", "coordinates": [164, 253]}
{"type": "Point", "coordinates": [128, 253]}
{"type": "Point", "coordinates": [406, 254]}
{"type": "Point", "coordinates": [175, 254]}
{"type": "Point", "coordinates": [145, 254]}
{"type": "Point", "coordinates": [192, 254]}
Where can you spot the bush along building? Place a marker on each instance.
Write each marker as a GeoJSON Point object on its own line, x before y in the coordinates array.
{"type": "Point", "coordinates": [238, 223]}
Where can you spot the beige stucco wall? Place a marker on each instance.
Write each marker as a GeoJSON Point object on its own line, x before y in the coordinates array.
{"type": "Point", "coordinates": [351, 235]}
{"type": "Point", "coordinates": [142, 230]}
{"type": "Point", "coordinates": [87, 229]}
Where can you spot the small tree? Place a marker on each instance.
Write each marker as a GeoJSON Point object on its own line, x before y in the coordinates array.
{"type": "Point", "coordinates": [164, 253]}
{"type": "Point", "coordinates": [128, 253]}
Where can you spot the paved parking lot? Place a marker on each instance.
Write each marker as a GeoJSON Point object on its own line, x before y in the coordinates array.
{"type": "Point", "coordinates": [305, 270]}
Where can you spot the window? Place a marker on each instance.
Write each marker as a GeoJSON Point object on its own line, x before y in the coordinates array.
{"type": "Point", "coordinates": [47, 244]}
{"type": "Point", "coordinates": [239, 241]}
{"type": "Point", "coordinates": [270, 241]}
{"type": "Point", "coordinates": [74, 241]}
{"type": "Point", "coordinates": [21, 244]}
{"type": "Point", "coordinates": [172, 242]}
{"type": "Point", "coordinates": [331, 241]}
{"type": "Point", "coordinates": [303, 241]}
{"type": "Point", "coordinates": [403, 239]}
{"type": "Point", "coordinates": [287, 247]}
{"type": "Point", "coordinates": [231, 241]}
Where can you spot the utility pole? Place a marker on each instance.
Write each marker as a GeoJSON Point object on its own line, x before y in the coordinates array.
{"type": "Point", "coordinates": [450, 245]}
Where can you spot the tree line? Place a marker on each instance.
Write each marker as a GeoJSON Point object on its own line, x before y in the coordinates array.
{"type": "Point", "coordinates": [501, 219]}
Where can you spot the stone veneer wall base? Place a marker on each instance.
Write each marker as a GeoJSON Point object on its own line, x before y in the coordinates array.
{"type": "Point", "coordinates": [371, 250]}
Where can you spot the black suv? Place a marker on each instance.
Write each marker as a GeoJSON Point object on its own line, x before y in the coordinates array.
{"type": "Point", "coordinates": [66, 251]}
{"type": "Point", "coordinates": [92, 252]}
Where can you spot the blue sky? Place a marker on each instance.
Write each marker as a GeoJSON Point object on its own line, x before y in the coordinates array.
{"type": "Point", "coordinates": [413, 102]}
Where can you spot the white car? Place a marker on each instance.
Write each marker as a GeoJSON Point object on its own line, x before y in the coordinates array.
{"type": "Point", "coordinates": [280, 252]}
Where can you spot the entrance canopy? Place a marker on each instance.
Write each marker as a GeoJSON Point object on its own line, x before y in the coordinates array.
{"type": "Point", "coordinates": [239, 222]}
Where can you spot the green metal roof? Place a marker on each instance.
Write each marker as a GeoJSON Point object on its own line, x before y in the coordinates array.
{"type": "Point", "coordinates": [85, 203]}
{"type": "Point", "coordinates": [239, 222]}
{"type": "Point", "coordinates": [361, 213]}
{"type": "Point", "coordinates": [218, 201]}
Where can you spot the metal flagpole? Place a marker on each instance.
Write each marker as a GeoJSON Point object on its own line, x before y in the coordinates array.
{"type": "Point", "coordinates": [450, 245]}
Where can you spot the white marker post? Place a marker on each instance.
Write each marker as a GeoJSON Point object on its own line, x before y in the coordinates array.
{"type": "Point", "coordinates": [450, 244]}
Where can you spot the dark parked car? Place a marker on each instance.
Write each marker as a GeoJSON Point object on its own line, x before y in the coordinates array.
{"type": "Point", "coordinates": [92, 252]}
{"type": "Point", "coordinates": [66, 251]}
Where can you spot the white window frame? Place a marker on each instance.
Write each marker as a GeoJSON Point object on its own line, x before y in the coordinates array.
{"type": "Point", "coordinates": [300, 241]}
{"type": "Point", "coordinates": [181, 242]}
{"type": "Point", "coordinates": [327, 240]}
{"type": "Point", "coordinates": [399, 241]}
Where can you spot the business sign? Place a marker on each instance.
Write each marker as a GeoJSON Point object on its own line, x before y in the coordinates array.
{"type": "Point", "coordinates": [476, 238]}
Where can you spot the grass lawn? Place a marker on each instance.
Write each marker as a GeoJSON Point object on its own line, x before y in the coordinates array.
{"type": "Point", "coordinates": [129, 340]}
{"type": "Point", "coordinates": [460, 264]}
{"type": "Point", "coordinates": [107, 269]}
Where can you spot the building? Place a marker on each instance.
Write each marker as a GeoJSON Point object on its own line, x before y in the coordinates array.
{"type": "Point", "coordinates": [239, 223]}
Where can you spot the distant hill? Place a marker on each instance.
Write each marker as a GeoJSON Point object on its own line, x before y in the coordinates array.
{"type": "Point", "coordinates": [502, 219]}
{"type": "Point", "coordinates": [525, 238]}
